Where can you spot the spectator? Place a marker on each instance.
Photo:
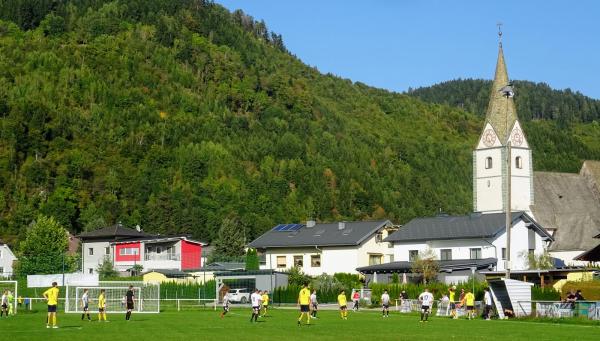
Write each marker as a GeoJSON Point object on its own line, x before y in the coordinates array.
{"type": "Point", "coordinates": [355, 299]}
{"type": "Point", "coordinates": [579, 296]}
{"type": "Point", "coordinates": [487, 301]}
{"type": "Point", "coordinates": [571, 298]}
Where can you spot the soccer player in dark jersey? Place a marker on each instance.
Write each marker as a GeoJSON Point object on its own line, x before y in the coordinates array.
{"type": "Point", "coordinates": [129, 301]}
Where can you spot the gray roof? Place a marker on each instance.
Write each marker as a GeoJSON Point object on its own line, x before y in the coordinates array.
{"type": "Point", "coordinates": [175, 273]}
{"type": "Point", "coordinates": [566, 202]}
{"type": "Point", "coordinates": [444, 227]}
{"type": "Point", "coordinates": [445, 265]}
{"type": "Point", "coordinates": [223, 266]}
{"type": "Point", "coordinates": [322, 234]}
{"type": "Point", "coordinates": [114, 232]}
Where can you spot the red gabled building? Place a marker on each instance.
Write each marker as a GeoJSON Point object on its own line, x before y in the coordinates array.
{"type": "Point", "coordinates": [126, 248]}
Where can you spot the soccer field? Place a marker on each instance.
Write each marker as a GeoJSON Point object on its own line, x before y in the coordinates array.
{"type": "Point", "coordinates": [281, 324]}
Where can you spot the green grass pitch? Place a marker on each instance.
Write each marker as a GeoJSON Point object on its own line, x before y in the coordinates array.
{"type": "Point", "coordinates": [281, 325]}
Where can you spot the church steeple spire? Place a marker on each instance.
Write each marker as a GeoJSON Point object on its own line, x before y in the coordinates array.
{"type": "Point", "coordinates": [501, 112]}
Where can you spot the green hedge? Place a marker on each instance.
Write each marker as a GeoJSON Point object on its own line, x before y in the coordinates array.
{"type": "Point", "coordinates": [289, 294]}
{"type": "Point", "coordinates": [414, 290]}
{"type": "Point", "coordinates": [544, 294]}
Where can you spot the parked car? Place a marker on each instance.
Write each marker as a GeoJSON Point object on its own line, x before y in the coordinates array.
{"type": "Point", "coordinates": [240, 295]}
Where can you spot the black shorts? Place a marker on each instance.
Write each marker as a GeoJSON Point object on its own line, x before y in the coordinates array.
{"type": "Point", "coordinates": [101, 310]}
{"type": "Point", "coordinates": [425, 307]}
{"type": "Point", "coordinates": [256, 309]}
{"type": "Point", "coordinates": [385, 306]}
{"type": "Point", "coordinates": [52, 308]}
{"type": "Point", "coordinates": [343, 307]}
{"type": "Point", "coordinates": [86, 308]}
{"type": "Point", "coordinates": [226, 308]}
{"type": "Point", "coordinates": [452, 305]}
{"type": "Point", "coordinates": [4, 306]}
{"type": "Point", "coordinates": [129, 305]}
{"type": "Point", "coordinates": [304, 308]}
{"type": "Point", "coordinates": [470, 307]}
{"type": "Point", "coordinates": [315, 306]}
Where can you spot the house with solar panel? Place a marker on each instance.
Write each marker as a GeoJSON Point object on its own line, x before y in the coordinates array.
{"type": "Point", "coordinates": [327, 248]}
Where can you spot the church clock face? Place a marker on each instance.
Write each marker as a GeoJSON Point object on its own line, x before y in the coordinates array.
{"type": "Point", "coordinates": [489, 138]}
{"type": "Point", "coordinates": [517, 138]}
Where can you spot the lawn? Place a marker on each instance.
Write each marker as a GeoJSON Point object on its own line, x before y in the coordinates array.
{"type": "Point", "coordinates": [366, 325]}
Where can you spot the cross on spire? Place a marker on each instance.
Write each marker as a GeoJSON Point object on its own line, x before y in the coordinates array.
{"type": "Point", "coordinates": [499, 24]}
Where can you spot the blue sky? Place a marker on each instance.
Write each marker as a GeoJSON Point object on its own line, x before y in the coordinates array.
{"type": "Point", "coordinates": [400, 44]}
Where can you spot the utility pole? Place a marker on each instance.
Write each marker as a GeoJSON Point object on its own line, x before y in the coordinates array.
{"type": "Point", "coordinates": [508, 92]}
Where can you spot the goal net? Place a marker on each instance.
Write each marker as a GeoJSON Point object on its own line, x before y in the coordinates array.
{"type": "Point", "coordinates": [146, 297]}
{"type": "Point", "coordinates": [9, 288]}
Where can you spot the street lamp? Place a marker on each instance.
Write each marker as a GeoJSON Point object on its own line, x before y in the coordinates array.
{"type": "Point", "coordinates": [473, 278]}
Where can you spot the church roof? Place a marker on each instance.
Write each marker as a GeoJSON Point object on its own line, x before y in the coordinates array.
{"type": "Point", "coordinates": [501, 112]}
{"type": "Point", "coordinates": [565, 202]}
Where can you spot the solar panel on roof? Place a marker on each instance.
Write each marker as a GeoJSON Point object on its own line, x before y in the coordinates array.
{"type": "Point", "coordinates": [288, 227]}
{"type": "Point", "coordinates": [279, 227]}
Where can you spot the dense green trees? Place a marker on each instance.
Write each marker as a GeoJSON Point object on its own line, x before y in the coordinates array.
{"type": "Point", "coordinates": [43, 251]}
{"type": "Point", "coordinates": [176, 115]}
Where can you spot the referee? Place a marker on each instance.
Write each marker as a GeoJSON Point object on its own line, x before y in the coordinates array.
{"type": "Point", "coordinates": [129, 298]}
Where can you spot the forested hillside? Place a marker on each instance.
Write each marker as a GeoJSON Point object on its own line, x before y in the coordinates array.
{"type": "Point", "coordinates": [177, 114]}
{"type": "Point", "coordinates": [535, 101]}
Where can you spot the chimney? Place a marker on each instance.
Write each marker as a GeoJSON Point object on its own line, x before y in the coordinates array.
{"type": "Point", "coordinates": [310, 223]}
{"type": "Point", "coordinates": [341, 225]}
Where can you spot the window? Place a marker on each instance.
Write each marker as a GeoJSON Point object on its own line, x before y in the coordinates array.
{"type": "Point", "coordinates": [128, 251]}
{"type": "Point", "coordinates": [159, 249]}
{"type": "Point", "coordinates": [446, 254]}
{"type": "Point", "coordinates": [1, 270]}
{"type": "Point", "coordinates": [519, 162]}
{"type": "Point", "coordinates": [375, 259]}
{"type": "Point", "coordinates": [504, 253]}
{"type": "Point", "coordinates": [91, 251]}
{"type": "Point", "coordinates": [412, 255]}
{"type": "Point", "coordinates": [107, 250]}
{"type": "Point", "coordinates": [281, 262]}
{"type": "Point", "coordinates": [379, 237]}
{"type": "Point", "coordinates": [488, 162]}
{"type": "Point", "coordinates": [298, 261]}
{"type": "Point", "coordinates": [90, 271]}
{"type": "Point", "coordinates": [475, 253]}
{"type": "Point", "coordinates": [315, 261]}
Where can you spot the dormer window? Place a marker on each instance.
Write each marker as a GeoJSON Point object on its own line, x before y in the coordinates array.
{"type": "Point", "coordinates": [519, 162]}
{"type": "Point", "coordinates": [488, 162]}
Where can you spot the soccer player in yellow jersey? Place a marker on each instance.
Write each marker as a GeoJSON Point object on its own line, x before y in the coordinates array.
{"type": "Point", "coordinates": [51, 296]}
{"type": "Point", "coordinates": [265, 302]}
{"type": "Point", "coordinates": [470, 299]}
{"type": "Point", "coordinates": [304, 302]}
{"type": "Point", "coordinates": [102, 306]}
{"type": "Point", "coordinates": [452, 299]}
{"type": "Point", "coordinates": [343, 305]}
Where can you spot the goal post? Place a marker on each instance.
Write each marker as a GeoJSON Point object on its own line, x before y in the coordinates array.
{"type": "Point", "coordinates": [146, 297]}
{"type": "Point", "coordinates": [12, 293]}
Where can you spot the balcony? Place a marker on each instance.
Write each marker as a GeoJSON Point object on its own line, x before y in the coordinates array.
{"type": "Point", "coordinates": [162, 256]}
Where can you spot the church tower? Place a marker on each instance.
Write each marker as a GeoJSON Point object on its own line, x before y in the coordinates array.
{"type": "Point", "coordinates": [502, 132]}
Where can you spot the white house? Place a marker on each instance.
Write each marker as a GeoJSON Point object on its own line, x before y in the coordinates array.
{"type": "Point", "coordinates": [6, 260]}
{"type": "Point", "coordinates": [126, 248]}
{"type": "Point", "coordinates": [460, 243]}
{"type": "Point", "coordinates": [328, 248]}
